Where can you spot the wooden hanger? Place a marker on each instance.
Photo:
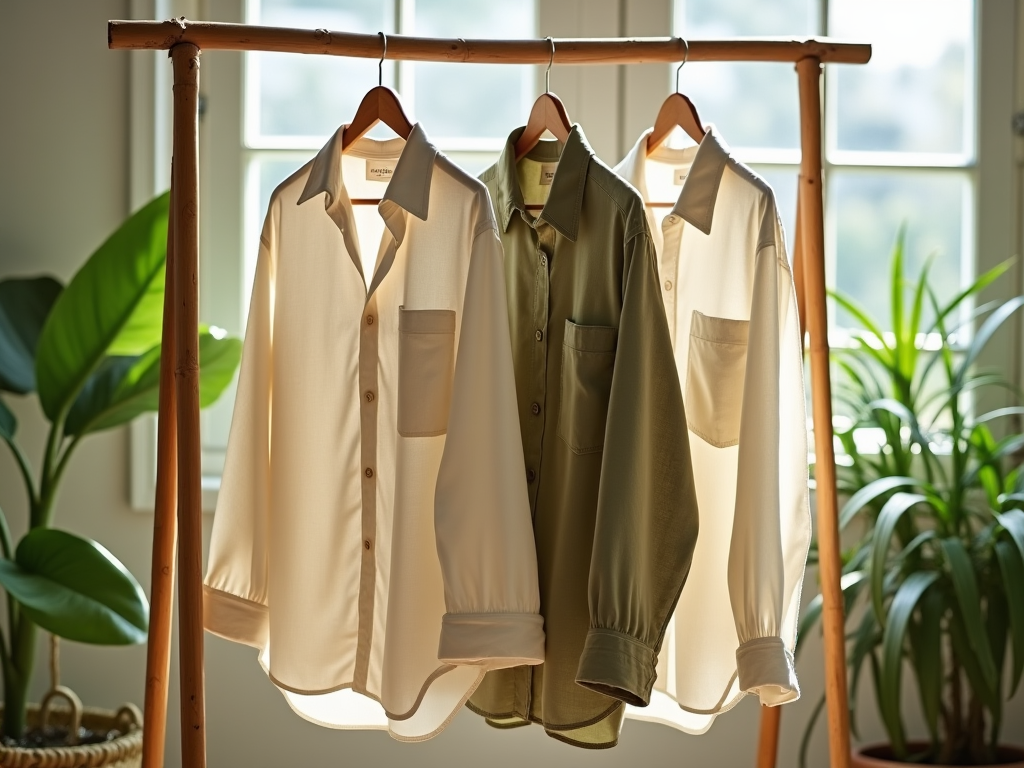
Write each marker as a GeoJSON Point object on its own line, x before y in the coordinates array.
{"type": "Point", "coordinates": [379, 105]}
{"type": "Point", "coordinates": [677, 111]}
{"type": "Point", "coordinates": [548, 114]}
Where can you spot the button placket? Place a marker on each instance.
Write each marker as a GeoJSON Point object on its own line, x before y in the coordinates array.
{"type": "Point", "coordinates": [672, 229]}
{"type": "Point", "coordinates": [543, 236]}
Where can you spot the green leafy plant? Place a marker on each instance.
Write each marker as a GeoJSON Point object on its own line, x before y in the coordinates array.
{"type": "Point", "coordinates": [91, 352]}
{"type": "Point", "coordinates": [934, 581]}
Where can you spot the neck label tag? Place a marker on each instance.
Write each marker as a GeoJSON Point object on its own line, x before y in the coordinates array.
{"type": "Point", "coordinates": [547, 173]}
{"type": "Point", "coordinates": [380, 170]}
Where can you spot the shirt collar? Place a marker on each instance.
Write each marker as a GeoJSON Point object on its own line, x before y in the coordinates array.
{"type": "Point", "coordinates": [409, 187]}
{"type": "Point", "coordinates": [562, 209]}
{"type": "Point", "coordinates": [696, 202]}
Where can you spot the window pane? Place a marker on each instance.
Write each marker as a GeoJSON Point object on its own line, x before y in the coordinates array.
{"type": "Point", "coordinates": [869, 209]}
{"type": "Point", "coordinates": [473, 100]}
{"type": "Point", "coordinates": [754, 104]}
{"type": "Point", "coordinates": [313, 95]}
{"type": "Point", "coordinates": [914, 95]}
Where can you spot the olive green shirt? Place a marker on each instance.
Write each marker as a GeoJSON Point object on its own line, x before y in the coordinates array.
{"type": "Point", "coordinates": [605, 441]}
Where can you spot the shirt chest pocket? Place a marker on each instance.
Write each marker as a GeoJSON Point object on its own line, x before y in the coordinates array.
{"type": "Point", "coordinates": [714, 378]}
{"type": "Point", "coordinates": [588, 359]}
{"type": "Point", "coordinates": [426, 364]}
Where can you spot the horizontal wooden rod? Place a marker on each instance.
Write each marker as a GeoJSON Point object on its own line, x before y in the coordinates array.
{"type": "Point", "coordinates": [246, 37]}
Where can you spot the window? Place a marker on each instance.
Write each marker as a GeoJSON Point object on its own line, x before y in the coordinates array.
{"type": "Point", "coordinates": [899, 131]}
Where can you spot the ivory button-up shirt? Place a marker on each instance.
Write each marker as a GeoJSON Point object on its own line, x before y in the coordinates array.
{"type": "Point", "coordinates": [604, 438]}
{"type": "Point", "coordinates": [373, 534]}
{"type": "Point", "coordinates": [732, 313]}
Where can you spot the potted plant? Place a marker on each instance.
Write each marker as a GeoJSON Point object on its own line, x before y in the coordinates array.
{"type": "Point", "coordinates": [91, 353]}
{"type": "Point", "coordinates": [934, 578]}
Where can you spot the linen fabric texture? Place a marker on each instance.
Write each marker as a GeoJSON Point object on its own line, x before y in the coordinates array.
{"type": "Point", "coordinates": [604, 440]}
{"type": "Point", "coordinates": [729, 298]}
{"type": "Point", "coordinates": [373, 534]}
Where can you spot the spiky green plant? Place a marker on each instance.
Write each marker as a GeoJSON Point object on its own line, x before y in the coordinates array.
{"type": "Point", "coordinates": [934, 581]}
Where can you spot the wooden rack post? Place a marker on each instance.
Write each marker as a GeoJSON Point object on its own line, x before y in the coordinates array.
{"type": "Point", "coordinates": [165, 527]}
{"type": "Point", "coordinates": [185, 58]}
{"type": "Point", "coordinates": [812, 243]}
{"type": "Point", "coordinates": [185, 39]}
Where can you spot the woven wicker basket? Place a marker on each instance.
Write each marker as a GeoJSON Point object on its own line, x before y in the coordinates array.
{"type": "Point", "coordinates": [122, 752]}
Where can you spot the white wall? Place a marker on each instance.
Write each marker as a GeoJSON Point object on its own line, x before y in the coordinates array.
{"type": "Point", "coordinates": [63, 186]}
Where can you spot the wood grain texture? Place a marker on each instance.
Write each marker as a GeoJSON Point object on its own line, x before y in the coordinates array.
{"type": "Point", "coordinates": [165, 532]}
{"type": "Point", "coordinates": [185, 58]}
{"type": "Point", "coordinates": [768, 737]}
{"type": "Point", "coordinates": [244, 37]}
{"type": "Point", "coordinates": [812, 244]}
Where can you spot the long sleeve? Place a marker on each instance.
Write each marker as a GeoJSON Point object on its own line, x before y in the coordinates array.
{"type": "Point", "coordinates": [766, 557]}
{"type": "Point", "coordinates": [482, 512]}
{"type": "Point", "coordinates": [646, 526]}
{"type": "Point", "coordinates": [235, 603]}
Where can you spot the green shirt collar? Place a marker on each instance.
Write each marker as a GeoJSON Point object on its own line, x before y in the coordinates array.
{"type": "Point", "coordinates": [562, 210]}
{"type": "Point", "coordinates": [696, 202]}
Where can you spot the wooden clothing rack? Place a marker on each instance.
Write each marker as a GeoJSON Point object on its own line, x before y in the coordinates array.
{"type": "Point", "coordinates": [178, 448]}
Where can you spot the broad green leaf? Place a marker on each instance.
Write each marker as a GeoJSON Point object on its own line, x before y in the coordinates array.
{"type": "Point", "coordinates": [872, 327]}
{"type": "Point", "coordinates": [870, 492]}
{"type": "Point", "coordinates": [965, 586]}
{"type": "Point", "coordinates": [76, 589]}
{"type": "Point", "coordinates": [888, 518]}
{"type": "Point", "coordinates": [910, 358]}
{"type": "Point", "coordinates": [903, 604]}
{"type": "Point", "coordinates": [24, 305]}
{"type": "Point", "coordinates": [8, 424]}
{"type": "Point", "coordinates": [1011, 566]}
{"type": "Point", "coordinates": [124, 387]}
{"type": "Point", "coordinates": [849, 583]}
{"type": "Point", "coordinates": [112, 306]}
{"type": "Point", "coordinates": [998, 413]}
{"type": "Point", "coordinates": [926, 653]}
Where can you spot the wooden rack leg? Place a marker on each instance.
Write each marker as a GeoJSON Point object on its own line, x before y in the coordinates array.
{"type": "Point", "coordinates": [829, 564]}
{"type": "Point", "coordinates": [185, 58]}
{"type": "Point", "coordinates": [165, 531]}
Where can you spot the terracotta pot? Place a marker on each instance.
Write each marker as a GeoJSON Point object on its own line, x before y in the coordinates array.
{"type": "Point", "coordinates": [880, 756]}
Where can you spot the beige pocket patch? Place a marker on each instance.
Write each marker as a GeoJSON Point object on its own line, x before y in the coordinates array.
{"type": "Point", "coordinates": [426, 366]}
{"type": "Point", "coordinates": [714, 378]}
{"type": "Point", "coordinates": [588, 359]}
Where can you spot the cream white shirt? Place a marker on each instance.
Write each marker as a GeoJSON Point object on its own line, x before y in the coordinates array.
{"type": "Point", "coordinates": [732, 313]}
{"type": "Point", "coordinates": [373, 535]}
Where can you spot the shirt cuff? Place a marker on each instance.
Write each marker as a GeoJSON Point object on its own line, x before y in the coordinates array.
{"type": "Point", "coordinates": [617, 665]}
{"type": "Point", "coordinates": [492, 640]}
{"type": "Point", "coordinates": [235, 618]}
{"type": "Point", "coordinates": [765, 667]}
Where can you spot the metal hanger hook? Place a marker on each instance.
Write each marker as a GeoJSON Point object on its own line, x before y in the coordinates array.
{"type": "Point", "coordinates": [547, 72]}
{"type": "Point", "coordinates": [383, 55]}
{"type": "Point", "coordinates": [686, 55]}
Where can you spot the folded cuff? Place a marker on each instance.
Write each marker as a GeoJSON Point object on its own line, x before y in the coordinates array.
{"type": "Point", "coordinates": [492, 640]}
{"type": "Point", "coordinates": [765, 667]}
{"type": "Point", "coordinates": [235, 618]}
{"type": "Point", "coordinates": [617, 665]}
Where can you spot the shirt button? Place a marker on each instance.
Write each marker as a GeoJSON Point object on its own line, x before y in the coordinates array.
{"type": "Point", "coordinates": [366, 544]}
{"type": "Point", "coordinates": [539, 335]}
{"type": "Point", "coordinates": [543, 261]}
{"type": "Point", "coordinates": [369, 397]}
{"type": "Point", "coordinates": [530, 475]}
{"type": "Point", "coordinates": [535, 408]}
{"type": "Point", "coordinates": [368, 472]}
{"type": "Point", "coordinates": [668, 285]}
{"type": "Point", "coordinates": [672, 219]}
{"type": "Point", "coordinates": [369, 319]}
